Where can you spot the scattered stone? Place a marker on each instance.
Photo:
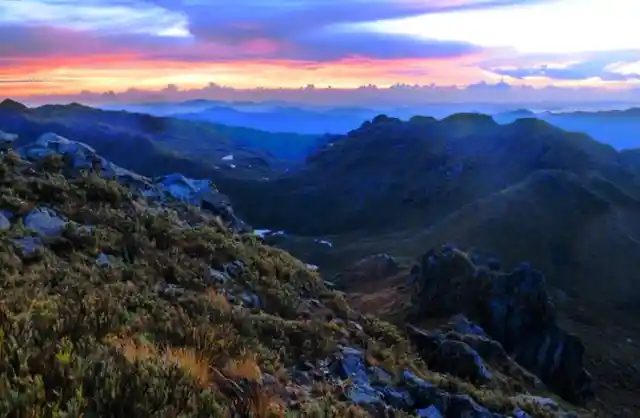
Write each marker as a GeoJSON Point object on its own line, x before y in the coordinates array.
{"type": "Point", "coordinates": [45, 222]}
{"type": "Point", "coordinates": [79, 156]}
{"type": "Point", "coordinates": [250, 300]}
{"type": "Point", "coordinates": [5, 223]}
{"type": "Point", "coordinates": [430, 412]}
{"type": "Point", "coordinates": [102, 260]}
{"type": "Point", "coordinates": [235, 269]}
{"type": "Point", "coordinates": [170, 290]}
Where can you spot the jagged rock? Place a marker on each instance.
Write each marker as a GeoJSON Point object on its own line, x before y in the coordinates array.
{"type": "Point", "coordinates": [513, 308]}
{"type": "Point", "coordinates": [490, 350]}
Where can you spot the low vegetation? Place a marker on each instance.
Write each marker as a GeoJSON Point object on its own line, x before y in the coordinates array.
{"type": "Point", "coordinates": [124, 313]}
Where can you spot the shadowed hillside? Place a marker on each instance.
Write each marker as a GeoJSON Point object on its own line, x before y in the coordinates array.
{"type": "Point", "coordinates": [390, 174]}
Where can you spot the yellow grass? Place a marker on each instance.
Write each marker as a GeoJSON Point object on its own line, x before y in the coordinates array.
{"type": "Point", "coordinates": [243, 368]}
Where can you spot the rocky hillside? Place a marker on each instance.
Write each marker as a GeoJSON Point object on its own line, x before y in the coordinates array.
{"type": "Point", "coordinates": [529, 323]}
{"type": "Point", "coordinates": [521, 192]}
{"type": "Point", "coordinates": [127, 296]}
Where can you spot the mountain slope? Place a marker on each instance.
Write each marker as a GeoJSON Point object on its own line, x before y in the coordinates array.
{"type": "Point", "coordinates": [285, 119]}
{"type": "Point", "coordinates": [390, 174]}
{"type": "Point", "coordinates": [116, 302]}
{"type": "Point", "coordinates": [575, 233]}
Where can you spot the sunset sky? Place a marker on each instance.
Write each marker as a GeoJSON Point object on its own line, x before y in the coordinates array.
{"type": "Point", "coordinates": [50, 47]}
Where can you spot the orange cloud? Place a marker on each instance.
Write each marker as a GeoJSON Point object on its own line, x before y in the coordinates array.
{"type": "Point", "coordinates": [68, 75]}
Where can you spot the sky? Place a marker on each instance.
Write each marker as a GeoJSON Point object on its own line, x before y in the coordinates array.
{"type": "Point", "coordinates": [171, 49]}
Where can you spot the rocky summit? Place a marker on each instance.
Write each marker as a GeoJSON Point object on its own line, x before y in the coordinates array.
{"type": "Point", "coordinates": [124, 295]}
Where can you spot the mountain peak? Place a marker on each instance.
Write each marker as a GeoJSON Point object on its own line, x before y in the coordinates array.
{"type": "Point", "coordinates": [470, 117]}
{"type": "Point", "coordinates": [8, 104]}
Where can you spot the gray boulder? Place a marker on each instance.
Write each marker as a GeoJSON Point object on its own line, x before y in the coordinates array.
{"type": "Point", "coordinates": [45, 222]}
{"type": "Point", "coordinates": [79, 156]}
{"type": "Point", "coordinates": [5, 220]}
{"type": "Point", "coordinates": [201, 193]}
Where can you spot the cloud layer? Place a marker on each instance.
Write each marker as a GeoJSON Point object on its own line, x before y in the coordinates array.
{"type": "Point", "coordinates": [62, 46]}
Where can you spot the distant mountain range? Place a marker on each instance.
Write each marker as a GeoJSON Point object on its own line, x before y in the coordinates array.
{"type": "Point", "coordinates": [619, 128]}
{"type": "Point", "coordinates": [267, 116]}
{"type": "Point", "coordinates": [285, 119]}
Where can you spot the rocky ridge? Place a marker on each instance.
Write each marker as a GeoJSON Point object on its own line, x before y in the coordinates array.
{"type": "Point", "coordinates": [129, 296]}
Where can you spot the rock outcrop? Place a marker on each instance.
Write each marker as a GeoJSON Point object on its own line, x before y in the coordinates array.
{"type": "Point", "coordinates": [201, 193]}
{"type": "Point", "coordinates": [513, 308]}
{"type": "Point", "coordinates": [78, 157]}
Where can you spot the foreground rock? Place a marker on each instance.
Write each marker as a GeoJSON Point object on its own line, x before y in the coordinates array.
{"type": "Point", "coordinates": [513, 308]}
